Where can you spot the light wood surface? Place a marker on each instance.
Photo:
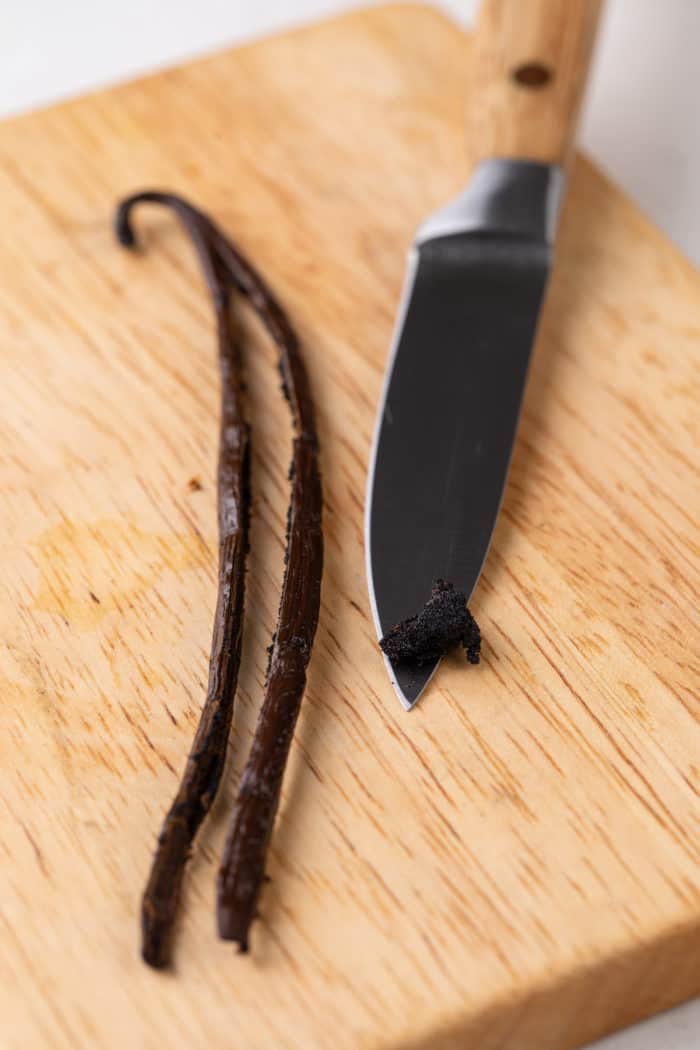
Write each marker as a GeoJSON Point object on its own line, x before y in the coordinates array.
{"type": "Point", "coordinates": [513, 865]}
{"type": "Point", "coordinates": [529, 76]}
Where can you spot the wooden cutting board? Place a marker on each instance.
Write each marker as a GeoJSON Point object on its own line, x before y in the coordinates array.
{"type": "Point", "coordinates": [515, 864]}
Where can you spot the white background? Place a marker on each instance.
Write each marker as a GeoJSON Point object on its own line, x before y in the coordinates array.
{"type": "Point", "coordinates": [641, 123]}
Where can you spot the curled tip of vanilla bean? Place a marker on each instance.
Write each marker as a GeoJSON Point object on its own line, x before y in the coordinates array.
{"type": "Point", "coordinates": [123, 226]}
{"type": "Point", "coordinates": [206, 760]}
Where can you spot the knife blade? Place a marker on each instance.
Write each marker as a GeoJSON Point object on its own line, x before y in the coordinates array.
{"type": "Point", "coordinates": [467, 322]}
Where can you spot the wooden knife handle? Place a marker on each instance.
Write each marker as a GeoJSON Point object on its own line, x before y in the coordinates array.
{"type": "Point", "coordinates": [530, 74]}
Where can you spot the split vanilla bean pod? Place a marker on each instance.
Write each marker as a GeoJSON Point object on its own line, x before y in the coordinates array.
{"type": "Point", "coordinates": [206, 760]}
{"type": "Point", "coordinates": [243, 865]}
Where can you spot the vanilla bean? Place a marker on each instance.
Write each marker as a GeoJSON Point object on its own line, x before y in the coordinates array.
{"type": "Point", "coordinates": [207, 757]}
{"type": "Point", "coordinates": [242, 868]}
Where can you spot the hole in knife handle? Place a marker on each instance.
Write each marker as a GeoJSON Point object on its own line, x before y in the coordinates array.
{"type": "Point", "coordinates": [532, 75]}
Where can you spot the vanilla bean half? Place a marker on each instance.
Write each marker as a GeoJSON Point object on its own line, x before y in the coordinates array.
{"type": "Point", "coordinates": [242, 868]}
{"type": "Point", "coordinates": [207, 757]}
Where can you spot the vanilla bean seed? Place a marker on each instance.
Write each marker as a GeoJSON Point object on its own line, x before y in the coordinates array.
{"type": "Point", "coordinates": [442, 623]}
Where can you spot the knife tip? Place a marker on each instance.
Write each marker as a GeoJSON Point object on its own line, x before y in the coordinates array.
{"type": "Point", "coordinates": [410, 682]}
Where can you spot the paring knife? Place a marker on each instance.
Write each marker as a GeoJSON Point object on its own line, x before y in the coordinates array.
{"type": "Point", "coordinates": [476, 279]}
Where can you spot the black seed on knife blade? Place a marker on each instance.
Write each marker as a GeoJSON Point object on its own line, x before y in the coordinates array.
{"type": "Point", "coordinates": [443, 622]}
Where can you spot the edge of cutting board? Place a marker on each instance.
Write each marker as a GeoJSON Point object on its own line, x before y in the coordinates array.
{"type": "Point", "coordinates": [568, 1006]}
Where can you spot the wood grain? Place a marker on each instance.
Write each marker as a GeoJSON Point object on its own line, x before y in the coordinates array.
{"type": "Point", "coordinates": [512, 866]}
{"type": "Point", "coordinates": [509, 115]}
